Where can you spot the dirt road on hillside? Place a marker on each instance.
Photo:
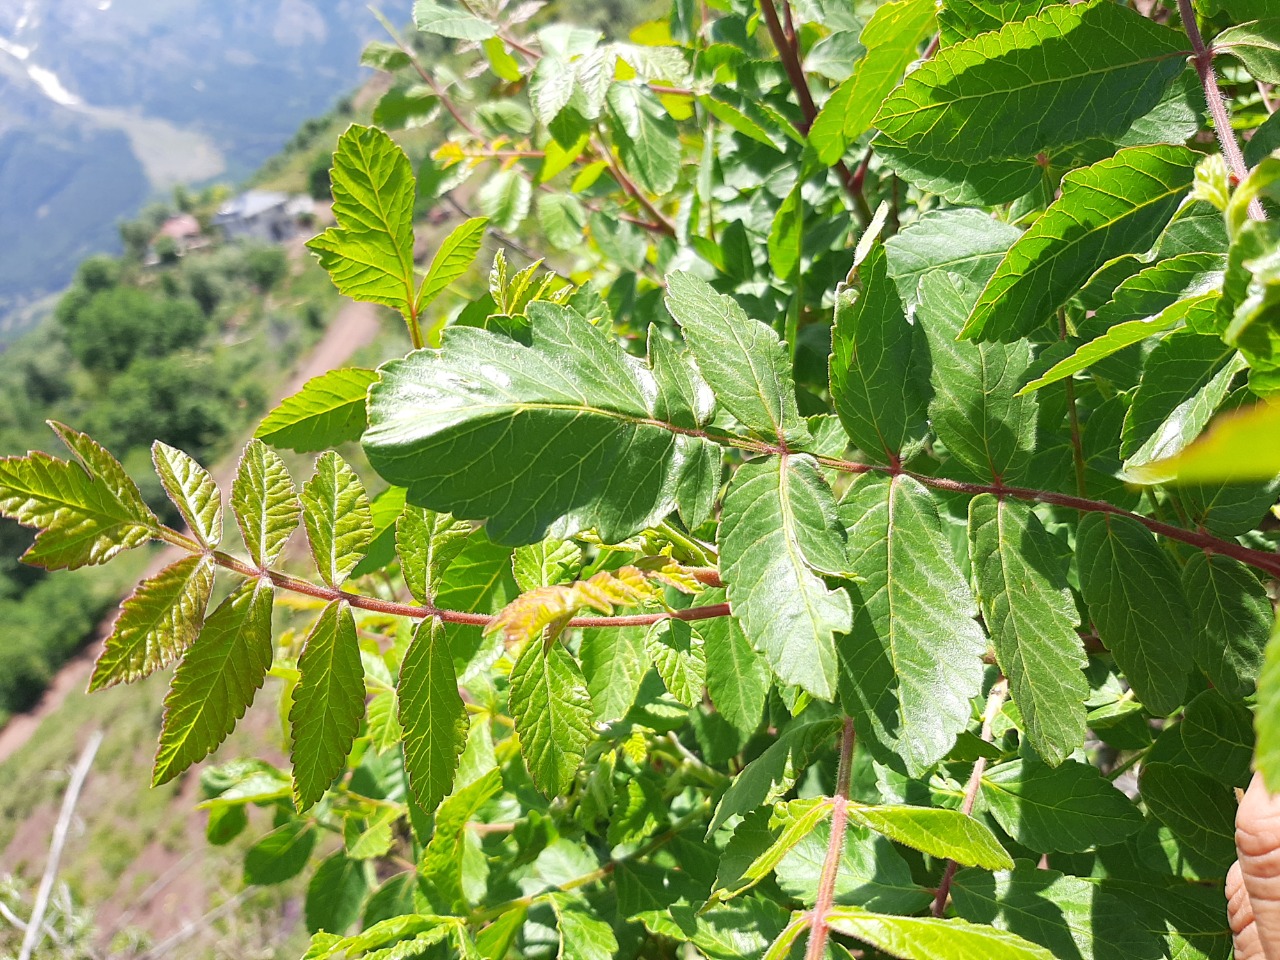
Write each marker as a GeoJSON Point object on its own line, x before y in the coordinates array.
{"type": "Point", "coordinates": [354, 327]}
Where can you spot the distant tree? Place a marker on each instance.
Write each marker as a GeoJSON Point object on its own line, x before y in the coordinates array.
{"type": "Point", "coordinates": [108, 330]}
{"type": "Point", "coordinates": [318, 176]}
{"type": "Point", "coordinates": [166, 249]}
{"type": "Point", "coordinates": [265, 266]}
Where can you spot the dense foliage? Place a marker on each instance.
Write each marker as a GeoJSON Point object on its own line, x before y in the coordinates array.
{"type": "Point", "coordinates": [133, 353]}
{"type": "Point", "coordinates": [772, 577]}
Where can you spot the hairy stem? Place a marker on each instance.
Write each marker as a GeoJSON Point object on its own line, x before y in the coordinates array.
{"type": "Point", "coordinates": [995, 700]}
{"type": "Point", "coordinates": [820, 927]}
{"type": "Point", "coordinates": [1203, 59]}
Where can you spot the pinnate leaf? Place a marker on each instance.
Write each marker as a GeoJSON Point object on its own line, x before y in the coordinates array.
{"type": "Point", "coordinates": [1136, 603]}
{"type": "Point", "coordinates": [452, 259]}
{"type": "Point", "coordinates": [446, 20]}
{"type": "Point", "coordinates": [216, 680]}
{"type": "Point", "coordinates": [1071, 73]}
{"type": "Point", "coordinates": [552, 711]}
{"type": "Point", "coordinates": [336, 512]}
{"type": "Point", "coordinates": [777, 533]}
{"type": "Point", "coordinates": [913, 659]}
{"type": "Point", "coordinates": [1117, 206]}
{"type": "Point", "coordinates": [281, 854]}
{"type": "Point", "coordinates": [738, 677]}
{"type": "Point", "coordinates": [1065, 809]}
{"type": "Point", "coordinates": [583, 936]}
{"type": "Point", "coordinates": [680, 659]}
{"type": "Point", "coordinates": [192, 491]}
{"type": "Point", "coordinates": [328, 703]}
{"type": "Point", "coordinates": [965, 19]}
{"type": "Point", "coordinates": [1199, 810]}
{"type": "Point", "coordinates": [892, 38]}
{"type": "Point", "coordinates": [646, 136]}
{"type": "Point", "coordinates": [614, 661]}
{"type": "Point", "coordinates": [879, 364]}
{"type": "Point", "coordinates": [85, 512]}
{"type": "Point", "coordinates": [742, 359]}
{"type": "Point", "coordinates": [335, 894]}
{"type": "Point", "coordinates": [946, 834]}
{"type": "Point", "coordinates": [989, 430]}
{"type": "Point", "coordinates": [265, 503]}
{"type": "Point", "coordinates": [533, 611]}
{"type": "Point", "coordinates": [384, 513]}
{"type": "Point", "coordinates": [932, 938]}
{"type": "Point", "coordinates": [432, 714]}
{"type": "Point", "coordinates": [369, 254]}
{"type": "Point", "coordinates": [327, 411]}
{"type": "Point", "coordinates": [157, 622]}
{"type": "Point", "coordinates": [1232, 617]}
{"type": "Point", "coordinates": [546, 564]}
{"type": "Point", "coordinates": [537, 438]}
{"type": "Point", "coordinates": [427, 542]}
{"type": "Point", "coordinates": [1029, 611]}
{"type": "Point", "coordinates": [1070, 916]}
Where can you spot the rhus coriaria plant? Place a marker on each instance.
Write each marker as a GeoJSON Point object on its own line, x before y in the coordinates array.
{"type": "Point", "coordinates": [855, 539]}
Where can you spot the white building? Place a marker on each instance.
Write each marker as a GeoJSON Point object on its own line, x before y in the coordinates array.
{"type": "Point", "coordinates": [262, 215]}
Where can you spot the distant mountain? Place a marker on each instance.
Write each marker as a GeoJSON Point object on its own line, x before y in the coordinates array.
{"type": "Point", "coordinates": [104, 103]}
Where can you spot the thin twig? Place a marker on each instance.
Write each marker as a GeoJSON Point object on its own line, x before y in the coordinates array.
{"type": "Point", "coordinates": [35, 926]}
{"type": "Point", "coordinates": [1203, 59]}
{"type": "Point", "coordinates": [995, 700]}
{"type": "Point", "coordinates": [820, 927]}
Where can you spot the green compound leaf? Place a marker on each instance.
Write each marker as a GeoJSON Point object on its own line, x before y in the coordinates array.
{"type": "Point", "coordinates": [335, 894]}
{"type": "Point", "coordinates": [554, 437]}
{"type": "Point", "coordinates": [328, 703]}
{"type": "Point", "coordinates": [281, 854]}
{"type": "Point", "coordinates": [86, 512]}
{"type": "Point", "coordinates": [738, 677]}
{"type": "Point", "coordinates": [913, 659]}
{"type": "Point", "coordinates": [646, 136]}
{"type": "Point", "coordinates": [1117, 206]}
{"type": "Point", "coordinates": [1029, 611]}
{"type": "Point", "coordinates": [871, 871]}
{"type": "Point", "coordinates": [545, 564]}
{"type": "Point", "coordinates": [965, 243]}
{"type": "Point", "coordinates": [336, 512]}
{"type": "Point", "coordinates": [1267, 754]}
{"type": "Point", "coordinates": [762, 840]}
{"type": "Point", "coordinates": [1185, 379]}
{"type": "Point", "coordinates": [216, 680]}
{"type": "Point", "coordinates": [192, 490]}
{"type": "Point", "coordinates": [931, 938]}
{"type": "Point", "coordinates": [583, 936]}
{"type": "Point", "coordinates": [1125, 335]}
{"type": "Point", "coordinates": [384, 513]}
{"type": "Point", "coordinates": [1199, 810]}
{"type": "Point", "coordinates": [1232, 617]}
{"type": "Point", "coordinates": [946, 834]}
{"type": "Point", "coordinates": [975, 412]}
{"type": "Point", "coordinates": [965, 19]}
{"type": "Point", "coordinates": [1256, 45]}
{"type": "Point", "coordinates": [1063, 809]}
{"type": "Point", "coordinates": [1071, 73]}
{"type": "Point", "coordinates": [1240, 446]}
{"type": "Point", "coordinates": [1135, 599]}
{"type": "Point", "coordinates": [1071, 916]}
{"type": "Point", "coordinates": [879, 365]}
{"type": "Point", "coordinates": [369, 254]}
{"type": "Point", "coordinates": [614, 661]}
{"type": "Point", "coordinates": [742, 359]}
{"type": "Point", "coordinates": [552, 711]}
{"type": "Point", "coordinates": [892, 38]}
{"type": "Point", "coordinates": [427, 543]}
{"type": "Point", "coordinates": [680, 658]}
{"type": "Point", "coordinates": [327, 411]}
{"type": "Point", "coordinates": [265, 503]}
{"type": "Point", "coordinates": [446, 20]}
{"type": "Point", "coordinates": [778, 532]}
{"type": "Point", "coordinates": [157, 623]}
{"type": "Point", "coordinates": [452, 259]}
{"type": "Point", "coordinates": [432, 714]}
